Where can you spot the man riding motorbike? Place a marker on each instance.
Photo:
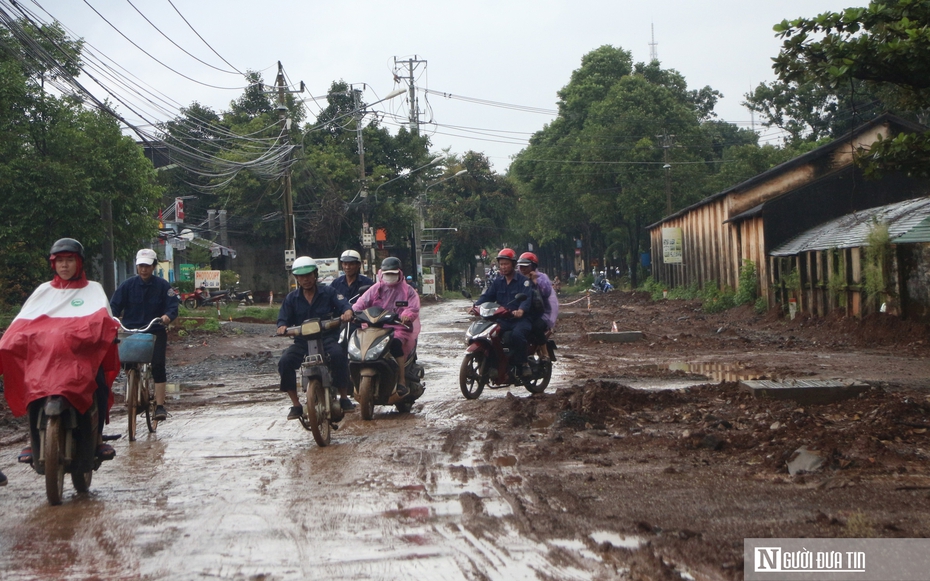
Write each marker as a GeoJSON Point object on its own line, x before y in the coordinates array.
{"type": "Point", "coordinates": [349, 283]}
{"type": "Point", "coordinates": [392, 292]}
{"type": "Point", "coordinates": [544, 315]}
{"type": "Point", "coordinates": [62, 342]}
{"type": "Point", "coordinates": [139, 300]}
{"type": "Point", "coordinates": [312, 301]}
{"type": "Point", "coordinates": [503, 291]}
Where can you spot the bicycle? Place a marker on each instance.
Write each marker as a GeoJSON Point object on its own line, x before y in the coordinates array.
{"type": "Point", "coordinates": [135, 354]}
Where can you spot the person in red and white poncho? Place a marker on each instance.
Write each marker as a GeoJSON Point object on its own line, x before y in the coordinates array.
{"type": "Point", "coordinates": [62, 342]}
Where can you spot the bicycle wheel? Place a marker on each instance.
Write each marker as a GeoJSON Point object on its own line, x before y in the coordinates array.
{"type": "Point", "coordinates": [318, 415]}
{"type": "Point", "coordinates": [54, 463]}
{"type": "Point", "coordinates": [132, 400]}
{"type": "Point", "coordinates": [366, 398]}
{"type": "Point", "coordinates": [147, 397]}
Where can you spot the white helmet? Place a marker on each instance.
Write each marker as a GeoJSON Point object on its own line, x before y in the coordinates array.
{"type": "Point", "coordinates": [303, 265]}
{"type": "Point", "coordinates": [350, 256]}
{"type": "Point", "coordinates": [146, 256]}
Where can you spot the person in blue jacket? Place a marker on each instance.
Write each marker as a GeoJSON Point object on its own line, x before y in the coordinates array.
{"type": "Point", "coordinates": [312, 301]}
{"type": "Point", "coordinates": [139, 300]}
{"type": "Point", "coordinates": [350, 283]}
{"type": "Point", "coordinates": [503, 290]}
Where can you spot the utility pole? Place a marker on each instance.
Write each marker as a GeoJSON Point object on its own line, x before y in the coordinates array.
{"type": "Point", "coordinates": [666, 144]}
{"type": "Point", "coordinates": [290, 225]}
{"type": "Point", "coordinates": [410, 65]}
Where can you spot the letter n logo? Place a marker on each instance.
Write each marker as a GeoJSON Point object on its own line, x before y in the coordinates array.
{"type": "Point", "coordinates": [767, 559]}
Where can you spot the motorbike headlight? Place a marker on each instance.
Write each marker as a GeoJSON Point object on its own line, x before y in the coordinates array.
{"type": "Point", "coordinates": [355, 350]}
{"type": "Point", "coordinates": [378, 348]}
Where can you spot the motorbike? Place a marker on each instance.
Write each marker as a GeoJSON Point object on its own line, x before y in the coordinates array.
{"type": "Point", "coordinates": [322, 411]}
{"type": "Point", "coordinates": [66, 443]}
{"type": "Point", "coordinates": [204, 298]}
{"type": "Point", "coordinates": [487, 355]}
{"type": "Point", "coordinates": [602, 286]}
{"type": "Point", "coordinates": [374, 370]}
{"type": "Point", "coordinates": [244, 298]}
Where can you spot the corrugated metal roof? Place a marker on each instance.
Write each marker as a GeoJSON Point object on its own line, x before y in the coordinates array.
{"type": "Point", "coordinates": [851, 230]}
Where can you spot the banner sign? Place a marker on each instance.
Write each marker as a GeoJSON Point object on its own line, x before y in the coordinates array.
{"type": "Point", "coordinates": [672, 247]}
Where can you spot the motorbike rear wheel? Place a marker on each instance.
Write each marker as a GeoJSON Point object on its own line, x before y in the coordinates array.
{"type": "Point", "coordinates": [472, 378]}
{"type": "Point", "coordinates": [317, 414]}
{"type": "Point", "coordinates": [366, 398]}
{"type": "Point", "coordinates": [539, 384]}
{"type": "Point", "coordinates": [54, 461]}
{"type": "Point", "coordinates": [132, 400]}
{"type": "Point", "coordinates": [190, 303]}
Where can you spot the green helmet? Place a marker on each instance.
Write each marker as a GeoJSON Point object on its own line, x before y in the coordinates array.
{"type": "Point", "coordinates": [303, 265]}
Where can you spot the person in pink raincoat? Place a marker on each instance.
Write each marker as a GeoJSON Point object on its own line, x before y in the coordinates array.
{"type": "Point", "coordinates": [392, 292]}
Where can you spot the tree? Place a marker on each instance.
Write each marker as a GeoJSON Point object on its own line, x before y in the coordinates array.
{"type": "Point", "coordinates": [887, 47]}
{"type": "Point", "coordinates": [58, 163]}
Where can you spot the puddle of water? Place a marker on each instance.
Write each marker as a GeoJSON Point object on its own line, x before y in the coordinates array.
{"type": "Point", "coordinates": [717, 371]}
{"type": "Point", "coordinates": [623, 542]}
{"type": "Point", "coordinates": [576, 546]}
{"type": "Point", "coordinates": [506, 461]}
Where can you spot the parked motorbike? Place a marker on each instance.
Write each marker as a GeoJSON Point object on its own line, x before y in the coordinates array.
{"type": "Point", "coordinates": [322, 411]}
{"type": "Point", "coordinates": [374, 370]}
{"type": "Point", "coordinates": [204, 298]}
{"type": "Point", "coordinates": [487, 357]}
{"type": "Point", "coordinates": [242, 297]}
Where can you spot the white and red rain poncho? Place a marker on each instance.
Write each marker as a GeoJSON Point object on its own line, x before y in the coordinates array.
{"type": "Point", "coordinates": [387, 296]}
{"type": "Point", "coordinates": [56, 344]}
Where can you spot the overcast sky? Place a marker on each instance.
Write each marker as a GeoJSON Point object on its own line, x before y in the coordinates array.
{"type": "Point", "coordinates": [512, 52]}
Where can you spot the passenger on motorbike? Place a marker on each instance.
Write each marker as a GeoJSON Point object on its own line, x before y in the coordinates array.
{"type": "Point", "coordinates": [544, 315]}
{"type": "Point", "coordinates": [62, 342]}
{"type": "Point", "coordinates": [392, 292]}
{"type": "Point", "coordinates": [139, 300]}
{"type": "Point", "coordinates": [349, 283]}
{"type": "Point", "coordinates": [312, 301]}
{"type": "Point", "coordinates": [503, 290]}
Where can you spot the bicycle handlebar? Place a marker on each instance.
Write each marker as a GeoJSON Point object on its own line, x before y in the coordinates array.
{"type": "Point", "coordinates": [143, 329]}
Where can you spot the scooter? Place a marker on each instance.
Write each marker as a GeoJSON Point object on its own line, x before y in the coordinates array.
{"type": "Point", "coordinates": [322, 411]}
{"type": "Point", "coordinates": [244, 298]}
{"type": "Point", "coordinates": [374, 370]}
{"type": "Point", "coordinates": [487, 356]}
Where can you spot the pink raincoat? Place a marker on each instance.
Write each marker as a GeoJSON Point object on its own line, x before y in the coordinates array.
{"type": "Point", "coordinates": [387, 296]}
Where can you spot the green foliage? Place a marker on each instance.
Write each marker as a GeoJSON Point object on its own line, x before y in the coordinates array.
{"type": "Point", "coordinates": [836, 279]}
{"type": "Point", "coordinates": [59, 164]}
{"type": "Point", "coordinates": [256, 312]}
{"type": "Point", "coordinates": [190, 324]}
{"type": "Point", "coordinates": [715, 300]}
{"type": "Point", "coordinates": [886, 46]}
{"type": "Point", "coordinates": [228, 278]}
{"type": "Point", "coordinates": [748, 281]}
{"type": "Point", "coordinates": [210, 325]}
{"type": "Point", "coordinates": [184, 286]}
{"type": "Point", "coordinates": [792, 281]}
{"type": "Point", "coordinates": [876, 262]}
{"type": "Point", "coordinates": [761, 306]}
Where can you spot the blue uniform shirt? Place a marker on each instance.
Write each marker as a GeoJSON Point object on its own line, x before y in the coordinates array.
{"type": "Point", "coordinates": [327, 304]}
{"type": "Point", "coordinates": [139, 302]}
{"type": "Point", "coordinates": [504, 294]}
{"type": "Point", "coordinates": [350, 290]}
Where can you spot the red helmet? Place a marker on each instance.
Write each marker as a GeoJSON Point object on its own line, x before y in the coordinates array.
{"type": "Point", "coordinates": [508, 254]}
{"type": "Point", "coordinates": [528, 258]}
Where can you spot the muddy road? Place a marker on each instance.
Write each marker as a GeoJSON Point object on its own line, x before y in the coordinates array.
{"type": "Point", "coordinates": [641, 461]}
{"type": "Point", "coordinates": [228, 489]}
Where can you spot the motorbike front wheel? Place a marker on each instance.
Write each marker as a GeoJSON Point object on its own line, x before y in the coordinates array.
{"type": "Point", "coordinates": [54, 463]}
{"type": "Point", "coordinates": [191, 303]}
{"type": "Point", "coordinates": [539, 384]}
{"type": "Point", "coordinates": [366, 397]}
{"type": "Point", "coordinates": [472, 377]}
{"type": "Point", "coordinates": [317, 415]}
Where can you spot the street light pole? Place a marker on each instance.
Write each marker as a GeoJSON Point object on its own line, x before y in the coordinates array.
{"type": "Point", "coordinates": [418, 232]}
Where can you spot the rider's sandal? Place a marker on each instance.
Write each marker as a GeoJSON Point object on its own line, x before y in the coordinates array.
{"type": "Point", "coordinates": [105, 452]}
{"type": "Point", "coordinates": [296, 412]}
{"type": "Point", "coordinates": [400, 392]}
{"type": "Point", "coordinates": [25, 456]}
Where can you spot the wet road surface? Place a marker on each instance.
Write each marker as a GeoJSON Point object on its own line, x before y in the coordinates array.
{"type": "Point", "coordinates": [231, 490]}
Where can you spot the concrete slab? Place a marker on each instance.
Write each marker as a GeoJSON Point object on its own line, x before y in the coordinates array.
{"type": "Point", "coordinates": [805, 391]}
{"type": "Point", "coordinates": [617, 336]}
